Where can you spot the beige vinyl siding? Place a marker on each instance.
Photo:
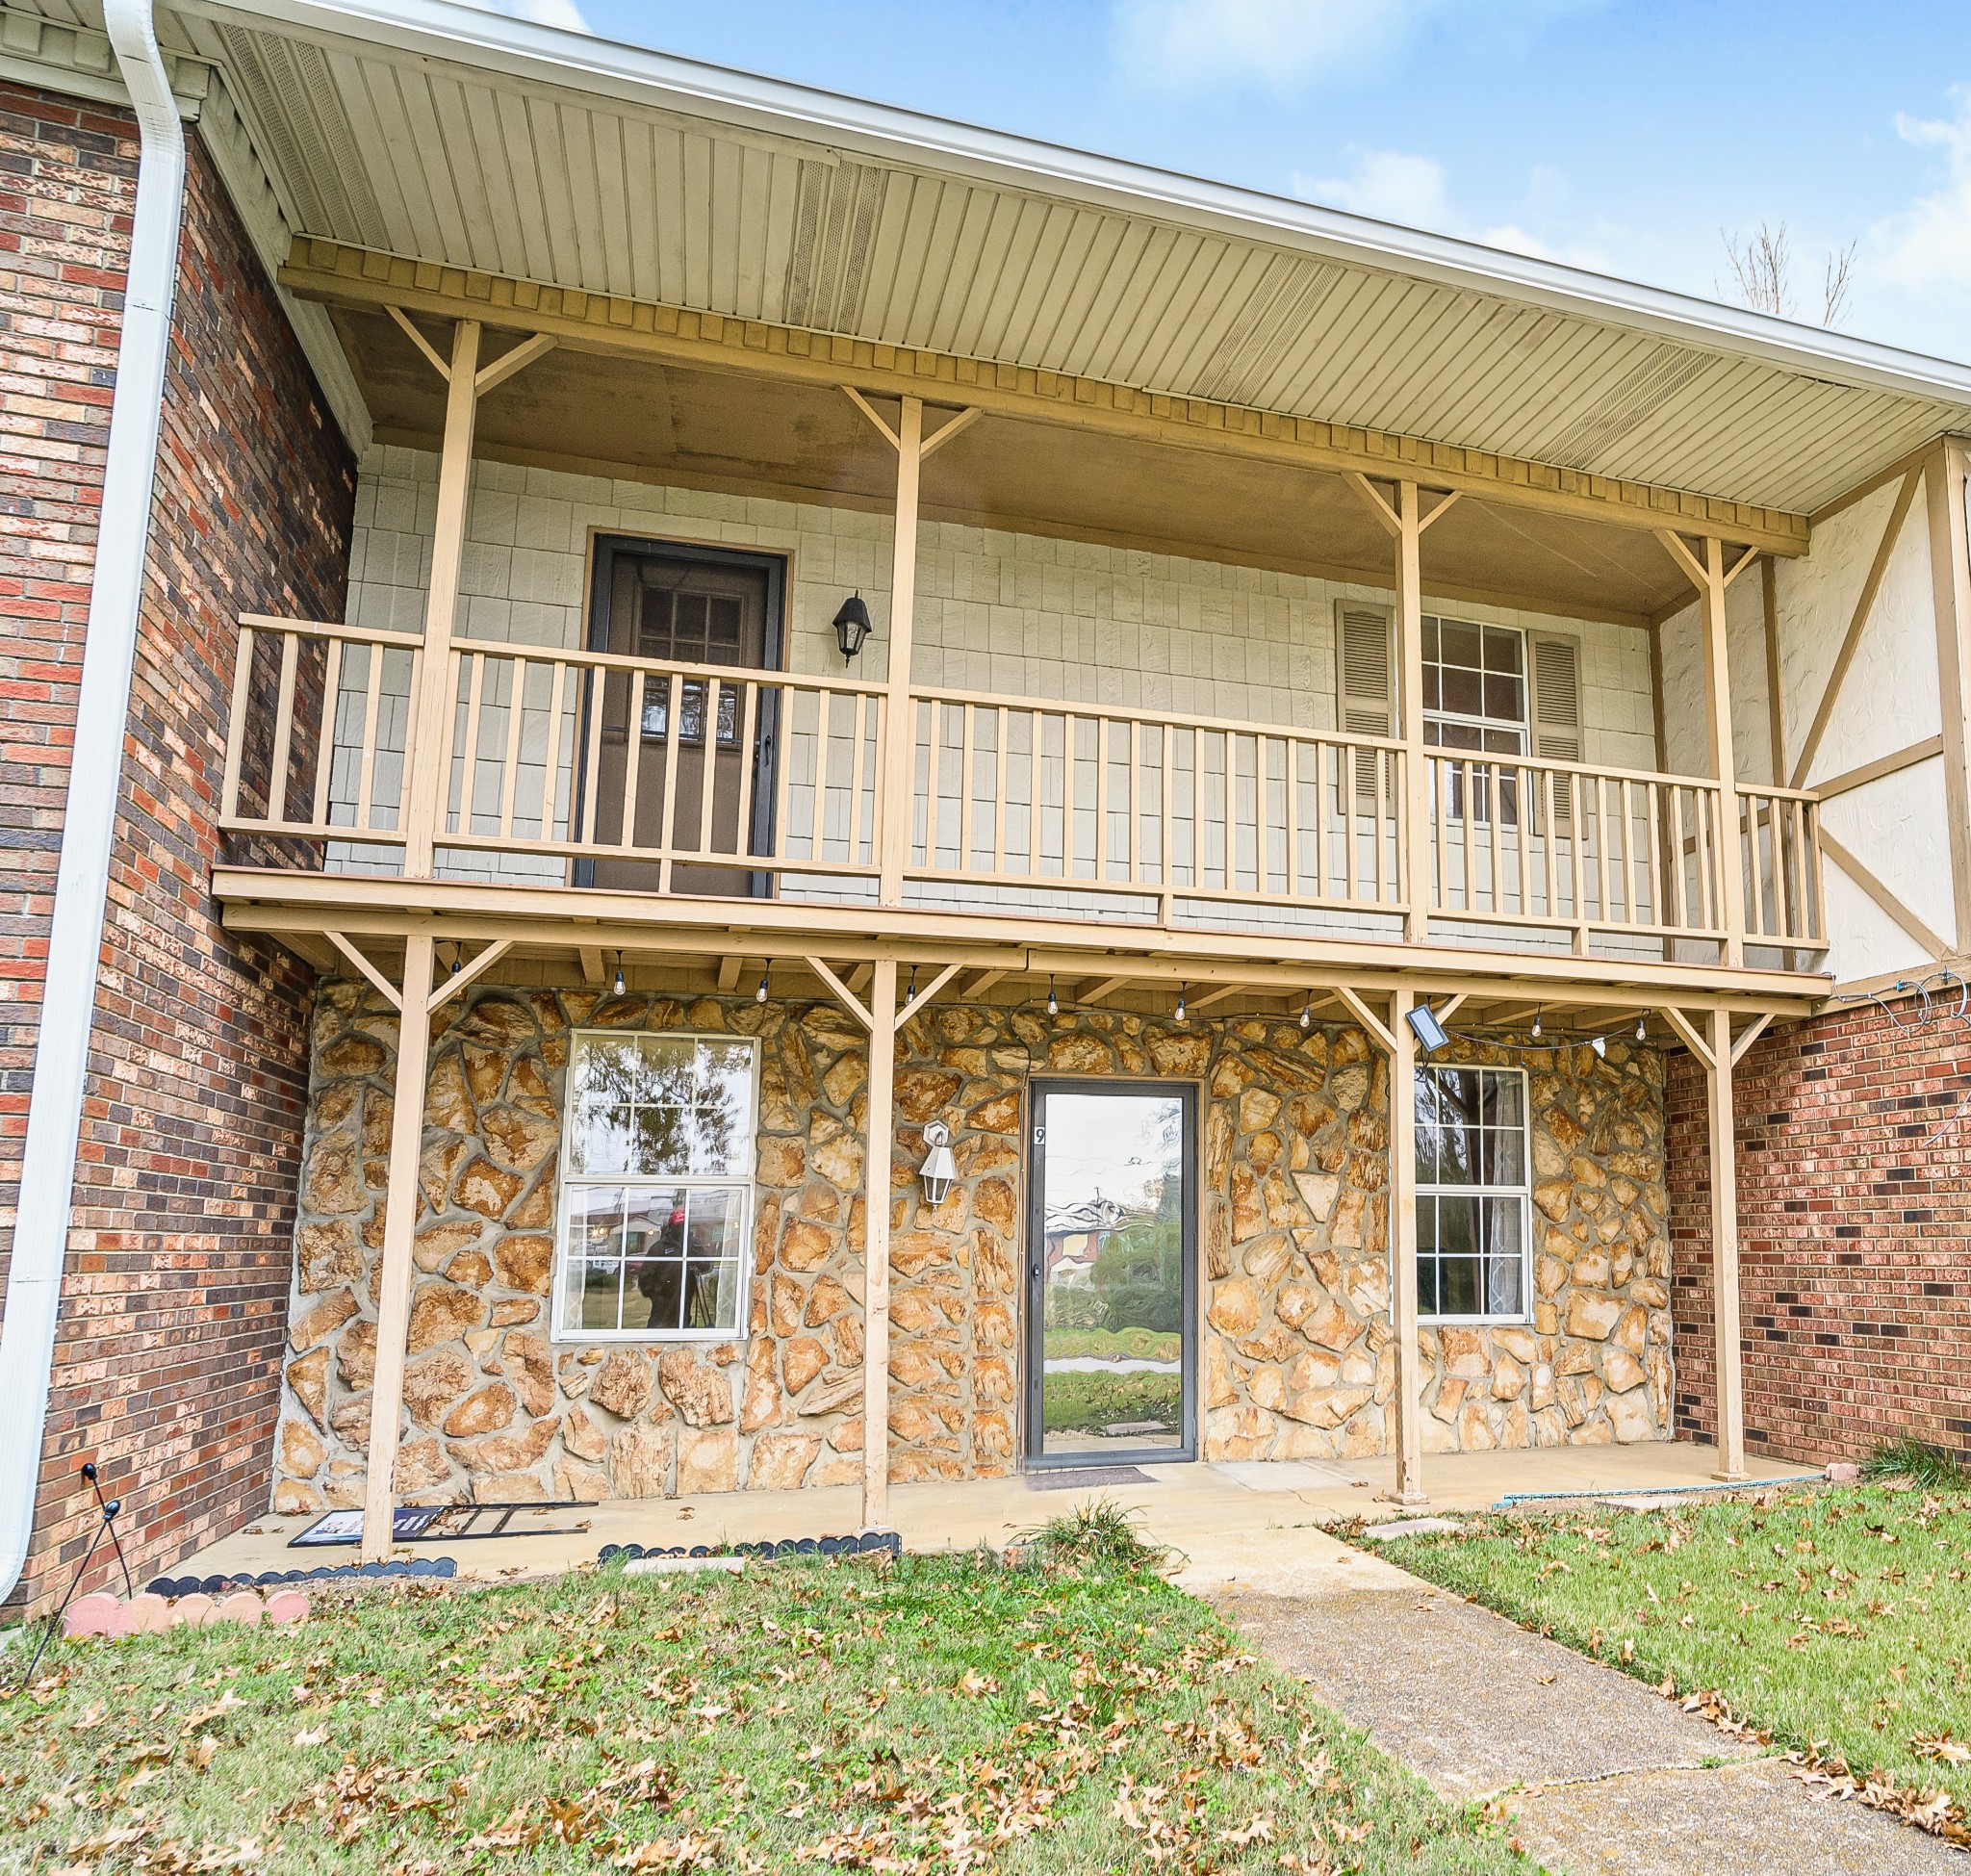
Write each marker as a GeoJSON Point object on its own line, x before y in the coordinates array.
{"type": "Point", "coordinates": [1016, 614]}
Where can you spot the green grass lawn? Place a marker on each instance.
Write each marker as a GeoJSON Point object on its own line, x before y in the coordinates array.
{"type": "Point", "coordinates": [1836, 1619]}
{"type": "Point", "coordinates": [1109, 1344]}
{"type": "Point", "coordinates": [938, 1714]}
{"type": "Point", "coordinates": [1076, 1401]}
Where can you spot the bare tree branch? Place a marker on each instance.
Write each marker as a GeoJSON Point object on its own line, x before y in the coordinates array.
{"type": "Point", "coordinates": [1762, 275]}
{"type": "Point", "coordinates": [1761, 269]}
{"type": "Point", "coordinates": [1835, 284]}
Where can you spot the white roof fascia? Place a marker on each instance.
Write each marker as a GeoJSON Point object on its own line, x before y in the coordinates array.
{"type": "Point", "coordinates": [467, 36]}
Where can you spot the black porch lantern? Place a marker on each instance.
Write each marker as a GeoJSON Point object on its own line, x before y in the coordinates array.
{"type": "Point", "coordinates": [852, 624]}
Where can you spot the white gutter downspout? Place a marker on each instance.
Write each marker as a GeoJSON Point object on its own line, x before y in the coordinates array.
{"type": "Point", "coordinates": [95, 773]}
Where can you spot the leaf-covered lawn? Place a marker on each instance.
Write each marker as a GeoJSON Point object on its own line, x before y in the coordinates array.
{"type": "Point", "coordinates": [1839, 1622]}
{"type": "Point", "coordinates": [938, 1714]}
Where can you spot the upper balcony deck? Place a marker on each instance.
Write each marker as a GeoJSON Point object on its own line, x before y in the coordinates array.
{"type": "Point", "coordinates": [1023, 755]}
{"type": "Point", "coordinates": [587, 769]}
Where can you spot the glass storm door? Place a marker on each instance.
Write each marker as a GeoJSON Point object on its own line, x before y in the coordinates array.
{"type": "Point", "coordinates": [1112, 1238]}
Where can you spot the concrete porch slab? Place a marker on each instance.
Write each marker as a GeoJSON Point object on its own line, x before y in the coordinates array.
{"type": "Point", "coordinates": [1234, 1526]}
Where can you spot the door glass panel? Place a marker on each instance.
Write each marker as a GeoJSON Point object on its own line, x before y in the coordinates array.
{"type": "Point", "coordinates": [1112, 1323]}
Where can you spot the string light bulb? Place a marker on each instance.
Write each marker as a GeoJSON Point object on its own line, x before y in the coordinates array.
{"type": "Point", "coordinates": [1642, 1029]}
{"type": "Point", "coordinates": [910, 995]}
{"type": "Point", "coordinates": [1180, 1004]}
{"type": "Point", "coordinates": [1053, 1001]}
{"type": "Point", "coordinates": [1307, 1011]}
{"type": "Point", "coordinates": [619, 973]}
{"type": "Point", "coordinates": [1599, 1045]}
{"type": "Point", "coordinates": [760, 995]}
{"type": "Point", "coordinates": [1536, 1023]}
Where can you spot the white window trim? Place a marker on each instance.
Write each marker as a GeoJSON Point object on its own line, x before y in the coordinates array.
{"type": "Point", "coordinates": [1522, 1192]}
{"type": "Point", "coordinates": [1490, 723]}
{"type": "Point", "coordinates": [571, 1182]}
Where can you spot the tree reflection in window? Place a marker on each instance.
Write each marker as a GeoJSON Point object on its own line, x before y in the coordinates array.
{"type": "Point", "coordinates": [659, 1185]}
{"type": "Point", "coordinates": [1473, 1195]}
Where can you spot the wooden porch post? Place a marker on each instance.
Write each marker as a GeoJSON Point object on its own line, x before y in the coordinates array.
{"type": "Point", "coordinates": [428, 782]}
{"type": "Point", "coordinates": [1950, 574]}
{"type": "Point", "coordinates": [1416, 789]}
{"type": "Point", "coordinates": [400, 1228]}
{"type": "Point", "coordinates": [1403, 1242]}
{"type": "Point", "coordinates": [880, 1129]}
{"type": "Point", "coordinates": [1724, 761]}
{"type": "Point", "coordinates": [899, 721]}
{"type": "Point", "coordinates": [1725, 1249]}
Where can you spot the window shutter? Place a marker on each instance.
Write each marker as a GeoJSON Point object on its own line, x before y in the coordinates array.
{"type": "Point", "coordinates": [1556, 699]}
{"type": "Point", "coordinates": [1364, 704]}
{"type": "Point", "coordinates": [1557, 666]}
{"type": "Point", "coordinates": [1362, 669]}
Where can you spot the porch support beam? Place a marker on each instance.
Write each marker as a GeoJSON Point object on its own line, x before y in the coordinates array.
{"type": "Point", "coordinates": [1709, 576]}
{"type": "Point", "coordinates": [430, 741]}
{"type": "Point", "coordinates": [1416, 761]}
{"type": "Point", "coordinates": [400, 1228]}
{"type": "Point", "coordinates": [463, 978]}
{"type": "Point", "coordinates": [1950, 574]}
{"type": "Point", "coordinates": [1404, 1251]}
{"type": "Point", "coordinates": [882, 1134]}
{"type": "Point", "coordinates": [1717, 1055]}
{"type": "Point", "coordinates": [898, 737]}
{"type": "Point", "coordinates": [844, 996]}
{"type": "Point", "coordinates": [1730, 1384]}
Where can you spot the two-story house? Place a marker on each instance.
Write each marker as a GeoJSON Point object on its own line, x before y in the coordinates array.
{"type": "Point", "coordinates": [745, 791]}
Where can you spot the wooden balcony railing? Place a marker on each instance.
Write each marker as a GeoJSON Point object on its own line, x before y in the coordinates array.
{"type": "Point", "coordinates": [649, 774]}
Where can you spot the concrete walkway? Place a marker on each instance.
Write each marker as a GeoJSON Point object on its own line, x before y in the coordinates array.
{"type": "Point", "coordinates": [1602, 1775]}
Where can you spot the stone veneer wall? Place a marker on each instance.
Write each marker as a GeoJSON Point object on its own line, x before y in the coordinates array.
{"type": "Point", "coordinates": [1297, 1357]}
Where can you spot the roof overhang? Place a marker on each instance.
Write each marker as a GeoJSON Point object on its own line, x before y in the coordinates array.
{"type": "Point", "coordinates": [467, 139]}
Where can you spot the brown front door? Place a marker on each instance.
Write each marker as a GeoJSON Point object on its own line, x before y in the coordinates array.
{"type": "Point", "coordinates": [690, 605]}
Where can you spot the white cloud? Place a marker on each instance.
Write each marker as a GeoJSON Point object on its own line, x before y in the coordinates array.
{"type": "Point", "coordinates": [1388, 185]}
{"type": "Point", "coordinates": [1929, 243]}
{"type": "Point", "coordinates": [1414, 192]}
{"type": "Point", "coordinates": [564, 14]}
{"type": "Point", "coordinates": [1280, 45]}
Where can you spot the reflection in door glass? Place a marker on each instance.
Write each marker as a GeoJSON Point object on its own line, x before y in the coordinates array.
{"type": "Point", "coordinates": [1113, 1325]}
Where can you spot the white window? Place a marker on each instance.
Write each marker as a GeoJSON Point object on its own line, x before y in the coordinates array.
{"type": "Point", "coordinates": [656, 1204]}
{"type": "Point", "coordinates": [1475, 687]}
{"type": "Point", "coordinates": [1474, 1203]}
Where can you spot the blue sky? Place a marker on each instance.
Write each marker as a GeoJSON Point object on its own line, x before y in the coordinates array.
{"type": "Point", "coordinates": [1619, 135]}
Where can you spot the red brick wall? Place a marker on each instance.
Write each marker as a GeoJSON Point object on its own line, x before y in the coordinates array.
{"type": "Point", "coordinates": [1854, 1235]}
{"type": "Point", "coordinates": [173, 1310]}
{"type": "Point", "coordinates": [68, 183]}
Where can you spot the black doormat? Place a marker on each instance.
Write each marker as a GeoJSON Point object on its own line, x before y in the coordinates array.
{"type": "Point", "coordinates": [1072, 1477]}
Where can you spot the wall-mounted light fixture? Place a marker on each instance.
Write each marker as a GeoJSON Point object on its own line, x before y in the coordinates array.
{"type": "Point", "coordinates": [852, 624]}
{"type": "Point", "coordinates": [939, 1168]}
{"type": "Point", "coordinates": [1428, 1029]}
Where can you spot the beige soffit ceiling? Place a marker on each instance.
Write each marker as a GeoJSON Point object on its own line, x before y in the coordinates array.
{"type": "Point", "coordinates": [445, 134]}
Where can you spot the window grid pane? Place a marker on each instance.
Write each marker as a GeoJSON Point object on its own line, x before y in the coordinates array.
{"type": "Point", "coordinates": [1474, 698]}
{"type": "Point", "coordinates": [1473, 1200]}
{"type": "Point", "coordinates": [656, 1246]}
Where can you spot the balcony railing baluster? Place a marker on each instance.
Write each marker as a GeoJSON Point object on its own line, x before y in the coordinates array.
{"type": "Point", "coordinates": [1009, 811]}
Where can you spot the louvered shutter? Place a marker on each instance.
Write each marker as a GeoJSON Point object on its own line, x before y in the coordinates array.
{"type": "Point", "coordinates": [1364, 703]}
{"type": "Point", "coordinates": [1556, 713]}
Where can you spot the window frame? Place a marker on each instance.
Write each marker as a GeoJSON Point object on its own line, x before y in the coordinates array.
{"type": "Point", "coordinates": [569, 1183]}
{"type": "Point", "coordinates": [1464, 719]}
{"type": "Point", "coordinates": [1523, 1191]}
